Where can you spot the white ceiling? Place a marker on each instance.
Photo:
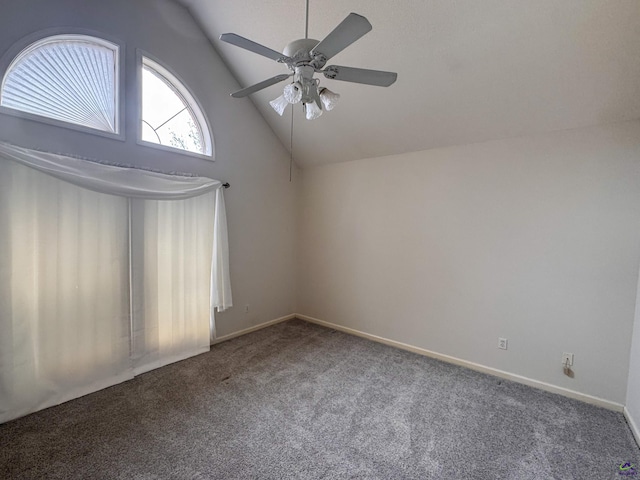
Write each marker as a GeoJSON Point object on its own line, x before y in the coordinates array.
{"type": "Point", "coordinates": [468, 70]}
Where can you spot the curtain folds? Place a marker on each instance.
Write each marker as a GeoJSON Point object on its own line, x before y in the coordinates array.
{"type": "Point", "coordinates": [64, 314]}
{"type": "Point", "coordinates": [111, 179]}
{"type": "Point", "coordinates": [105, 281]}
{"type": "Point", "coordinates": [171, 277]}
{"type": "Point", "coordinates": [221, 294]}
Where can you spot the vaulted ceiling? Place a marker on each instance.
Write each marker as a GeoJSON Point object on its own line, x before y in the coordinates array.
{"type": "Point", "coordinates": [468, 70]}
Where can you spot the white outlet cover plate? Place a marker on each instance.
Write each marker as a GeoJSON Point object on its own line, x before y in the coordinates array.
{"type": "Point", "coordinates": [567, 356]}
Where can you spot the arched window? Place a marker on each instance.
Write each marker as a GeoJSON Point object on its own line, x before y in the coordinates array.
{"type": "Point", "coordinates": [69, 78]}
{"type": "Point", "coordinates": [170, 115]}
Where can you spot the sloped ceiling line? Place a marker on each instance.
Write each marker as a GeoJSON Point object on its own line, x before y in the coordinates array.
{"type": "Point", "coordinates": [468, 71]}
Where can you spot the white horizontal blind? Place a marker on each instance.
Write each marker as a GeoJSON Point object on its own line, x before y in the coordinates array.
{"type": "Point", "coordinates": [72, 78]}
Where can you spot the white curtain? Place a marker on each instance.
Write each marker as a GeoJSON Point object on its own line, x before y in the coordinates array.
{"type": "Point", "coordinates": [171, 279]}
{"type": "Point", "coordinates": [220, 281]}
{"type": "Point", "coordinates": [64, 314]}
{"type": "Point", "coordinates": [109, 178]}
{"type": "Point", "coordinates": [96, 287]}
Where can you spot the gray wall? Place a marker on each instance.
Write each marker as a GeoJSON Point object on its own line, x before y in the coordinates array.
{"type": "Point", "coordinates": [535, 239]}
{"type": "Point", "coordinates": [260, 203]}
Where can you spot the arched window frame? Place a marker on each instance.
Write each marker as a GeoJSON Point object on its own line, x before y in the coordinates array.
{"type": "Point", "coordinates": [28, 43]}
{"type": "Point", "coordinates": [143, 58]}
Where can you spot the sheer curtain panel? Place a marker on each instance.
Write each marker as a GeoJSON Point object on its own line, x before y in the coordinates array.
{"type": "Point", "coordinates": [105, 271]}
{"type": "Point", "coordinates": [64, 299]}
{"type": "Point", "coordinates": [171, 280]}
{"type": "Point", "coordinates": [110, 178]}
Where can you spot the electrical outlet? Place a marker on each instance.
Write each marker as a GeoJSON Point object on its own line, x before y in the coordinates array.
{"type": "Point", "coordinates": [502, 343]}
{"type": "Point", "coordinates": [567, 359]}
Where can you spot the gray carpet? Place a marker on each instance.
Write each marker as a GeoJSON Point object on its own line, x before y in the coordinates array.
{"type": "Point", "coordinates": [303, 402]}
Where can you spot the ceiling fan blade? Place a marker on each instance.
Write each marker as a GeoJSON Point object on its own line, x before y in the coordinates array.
{"type": "Point", "coordinates": [360, 75]}
{"type": "Point", "coordinates": [254, 47]}
{"type": "Point", "coordinates": [350, 29]}
{"type": "Point", "coordinates": [259, 86]}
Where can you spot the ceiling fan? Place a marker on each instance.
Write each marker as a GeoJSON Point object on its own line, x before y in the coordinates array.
{"type": "Point", "coordinates": [306, 57]}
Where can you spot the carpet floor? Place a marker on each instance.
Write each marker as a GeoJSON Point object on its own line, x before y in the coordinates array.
{"type": "Point", "coordinates": [299, 401]}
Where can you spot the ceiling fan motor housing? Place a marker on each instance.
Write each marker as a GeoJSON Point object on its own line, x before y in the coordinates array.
{"type": "Point", "coordinates": [298, 50]}
{"type": "Point", "coordinates": [304, 65]}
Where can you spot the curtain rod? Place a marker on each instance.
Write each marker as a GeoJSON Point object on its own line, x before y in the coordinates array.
{"type": "Point", "coordinates": [226, 185]}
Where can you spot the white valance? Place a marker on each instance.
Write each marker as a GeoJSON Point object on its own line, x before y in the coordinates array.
{"type": "Point", "coordinates": [111, 179]}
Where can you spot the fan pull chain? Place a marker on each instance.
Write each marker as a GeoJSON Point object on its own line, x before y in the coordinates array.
{"type": "Point", "coordinates": [291, 148]}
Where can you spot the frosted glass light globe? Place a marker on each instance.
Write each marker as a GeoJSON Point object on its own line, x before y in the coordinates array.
{"type": "Point", "coordinates": [329, 99]}
{"type": "Point", "coordinates": [293, 92]}
{"type": "Point", "coordinates": [312, 110]}
{"type": "Point", "coordinates": [279, 104]}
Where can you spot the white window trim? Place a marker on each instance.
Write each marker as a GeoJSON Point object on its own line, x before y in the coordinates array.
{"type": "Point", "coordinates": [144, 58]}
{"type": "Point", "coordinates": [28, 43]}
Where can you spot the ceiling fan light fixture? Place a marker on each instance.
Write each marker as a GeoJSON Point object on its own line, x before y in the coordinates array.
{"type": "Point", "coordinates": [329, 99]}
{"type": "Point", "coordinates": [279, 104]}
{"type": "Point", "coordinates": [312, 110]}
{"type": "Point", "coordinates": [305, 57]}
{"type": "Point", "coordinates": [293, 92]}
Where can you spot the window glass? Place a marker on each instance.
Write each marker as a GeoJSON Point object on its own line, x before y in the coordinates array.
{"type": "Point", "coordinates": [170, 116]}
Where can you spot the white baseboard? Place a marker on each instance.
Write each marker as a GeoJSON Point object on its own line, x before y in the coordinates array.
{"type": "Point", "coordinates": [449, 359]}
{"type": "Point", "coordinates": [473, 366]}
{"type": "Point", "coordinates": [253, 329]}
{"type": "Point", "coordinates": [633, 425]}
